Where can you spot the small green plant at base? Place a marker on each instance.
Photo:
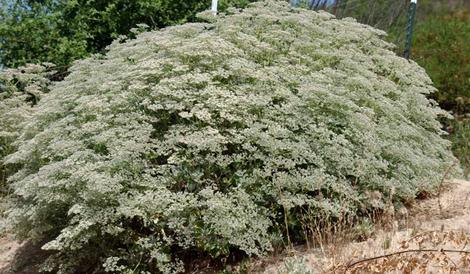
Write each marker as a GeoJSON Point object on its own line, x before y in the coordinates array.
{"type": "Point", "coordinates": [363, 230]}
{"type": "Point", "coordinates": [387, 243]}
{"type": "Point", "coordinates": [295, 265]}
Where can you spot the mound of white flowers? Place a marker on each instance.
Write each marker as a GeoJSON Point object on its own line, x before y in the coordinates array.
{"type": "Point", "coordinates": [20, 90]}
{"type": "Point", "coordinates": [211, 138]}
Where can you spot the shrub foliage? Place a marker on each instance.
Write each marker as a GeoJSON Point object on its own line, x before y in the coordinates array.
{"type": "Point", "coordinates": [20, 89]}
{"type": "Point", "coordinates": [218, 137]}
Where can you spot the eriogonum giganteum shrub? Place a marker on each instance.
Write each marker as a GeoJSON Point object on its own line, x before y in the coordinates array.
{"type": "Point", "coordinates": [201, 138]}
{"type": "Point", "coordinates": [20, 89]}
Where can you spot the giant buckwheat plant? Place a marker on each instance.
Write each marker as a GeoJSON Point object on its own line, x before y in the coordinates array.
{"type": "Point", "coordinates": [20, 90]}
{"type": "Point", "coordinates": [216, 137]}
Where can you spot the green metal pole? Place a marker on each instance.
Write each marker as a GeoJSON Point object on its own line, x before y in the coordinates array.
{"type": "Point", "coordinates": [410, 27]}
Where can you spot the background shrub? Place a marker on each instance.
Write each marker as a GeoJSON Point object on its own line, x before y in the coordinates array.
{"type": "Point", "coordinates": [61, 31]}
{"type": "Point", "coordinates": [443, 48]}
{"type": "Point", "coordinates": [215, 138]}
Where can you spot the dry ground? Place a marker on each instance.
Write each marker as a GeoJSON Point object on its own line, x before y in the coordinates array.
{"type": "Point", "coordinates": [8, 248]}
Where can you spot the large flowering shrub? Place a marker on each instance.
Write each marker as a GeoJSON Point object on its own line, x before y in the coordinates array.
{"type": "Point", "coordinates": [20, 89]}
{"type": "Point", "coordinates": [210, 138]}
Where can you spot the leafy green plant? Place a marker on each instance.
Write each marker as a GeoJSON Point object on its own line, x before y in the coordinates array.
{"type": "Point", "coordinates": [61, 31]}
{"type": "Point", "coordinates": [213, 138]}
{"type": "Point", "coordinates": [363, 230]}
{"type": "Point", "coordinates": [295, 265]}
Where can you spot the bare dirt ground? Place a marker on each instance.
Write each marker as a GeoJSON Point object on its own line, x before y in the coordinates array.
{"type": "Point", "coordinates": [19, 258]}
{"type": "Point", "coordinates": [8, 248]}
{"type": "Point", "coordinates": [446, 214]}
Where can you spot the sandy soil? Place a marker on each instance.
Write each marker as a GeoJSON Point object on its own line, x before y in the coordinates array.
{"type": "Point", "coordinates": [19, 258]}
{"type": "Point", "coordinates": [8, 248]}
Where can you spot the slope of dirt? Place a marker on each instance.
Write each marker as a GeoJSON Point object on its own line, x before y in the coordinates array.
{"type": "Point", "coordinates": [20, 258]}
{"type": "Point", "coordinates": [453, 213]}
{"type": "Point", "coordinates": [8, 248]}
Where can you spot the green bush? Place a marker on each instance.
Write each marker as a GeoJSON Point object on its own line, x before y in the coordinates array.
{"type": "Point", "coordinates": [442, 47]}
{"type": "Point", "coordinates": [61, 31]}
{"type": "Point", "coordinates": [214, 138]}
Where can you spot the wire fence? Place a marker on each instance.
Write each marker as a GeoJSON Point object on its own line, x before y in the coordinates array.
{"type": "Point", "coordinates": [389, 15]}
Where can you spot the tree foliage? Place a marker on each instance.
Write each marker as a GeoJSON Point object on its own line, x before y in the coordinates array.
{"type": "Point", "coordinates": [221, 137]}
{"type": "Point", "coordinates": [61, 31]}
{"type": "Point", "coordinates": [389, 15]}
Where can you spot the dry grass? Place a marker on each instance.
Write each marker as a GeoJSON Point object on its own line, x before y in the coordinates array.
{"type": "Point", "coordinates": [432, 236]}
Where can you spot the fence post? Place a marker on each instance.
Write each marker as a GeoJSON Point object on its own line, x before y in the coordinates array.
{"type": "Point", "coordinates": [214, 7]}
{"type": "Point", "coordinates": [410, 27]}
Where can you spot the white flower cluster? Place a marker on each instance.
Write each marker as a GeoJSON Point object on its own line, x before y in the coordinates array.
{"type": "Point", "coordinates": [20, 89]}
{"type": "Point", "coordinates": [198, 139]}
